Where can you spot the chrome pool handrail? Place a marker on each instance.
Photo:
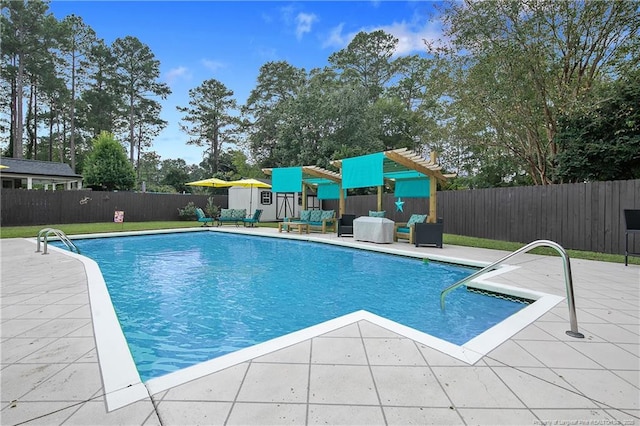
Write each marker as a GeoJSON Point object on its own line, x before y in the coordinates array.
{"type": "Point", "coordinates": [567, 278]}
{"type": "Point", "coordinates": [44, 235]}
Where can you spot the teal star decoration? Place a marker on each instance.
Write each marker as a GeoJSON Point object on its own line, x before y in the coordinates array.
{"type": "Point", "coordinates": [399, 205]}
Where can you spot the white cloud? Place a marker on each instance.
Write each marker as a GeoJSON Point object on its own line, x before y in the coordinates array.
{"type": "Point", "coordinates": [304, 21]}
{"type": "Point", "coordinates": [336, 39]}
{"type": "Point", "coordinates": [212, 65]}
{"type": "Point", "coordinates": [411, 37]}
{"type": "Point", "coordinates": [175, 73]}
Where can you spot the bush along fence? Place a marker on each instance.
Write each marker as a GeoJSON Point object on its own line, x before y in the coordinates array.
{"type": "Point", "coordinates": [23, 207]}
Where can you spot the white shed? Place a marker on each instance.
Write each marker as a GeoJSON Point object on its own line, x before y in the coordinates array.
{"type": "Point", "coordinates": [275, 206]}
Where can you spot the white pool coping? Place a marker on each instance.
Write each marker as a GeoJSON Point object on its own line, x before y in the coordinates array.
{"type": "Point", "coordinates": [121, 380]}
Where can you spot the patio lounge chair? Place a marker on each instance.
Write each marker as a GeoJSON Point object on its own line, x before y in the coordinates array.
{"type": "Point", "coordinates": [254, 219]}
{"type": "Point", "coordinates": [202, 217]}
{"type": "Point", "coordinates": [345, 224]}
{"type": "Point", "coordinates": [407, 230]}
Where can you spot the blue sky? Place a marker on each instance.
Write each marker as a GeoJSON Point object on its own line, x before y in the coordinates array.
{"type": "Point", "coordinates": [230, 41]}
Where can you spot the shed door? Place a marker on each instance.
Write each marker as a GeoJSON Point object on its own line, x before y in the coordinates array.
{"type": "Point", "coordinates": [285, 205]}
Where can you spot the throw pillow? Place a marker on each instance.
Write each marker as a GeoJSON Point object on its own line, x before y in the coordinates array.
{"type": "Point", "coordinates": [304, 215]}
{"type": "Point", "coordinates": [416, 218]}
{"type": "Point", "coordinates": [315, 216]}
{"type": "Point", "coordinates": [376, 213]}
{"type": "Point", "coordinates": [326, 214]}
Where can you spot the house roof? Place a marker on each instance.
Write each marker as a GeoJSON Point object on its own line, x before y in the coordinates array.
{"type": "Point", "coordinates": [35, 168]}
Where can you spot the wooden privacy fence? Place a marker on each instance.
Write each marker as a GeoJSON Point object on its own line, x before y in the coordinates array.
{"type": "Point", "coordinates": [23, 207]}
{"type": "Point", "coordinates": [585, 216]}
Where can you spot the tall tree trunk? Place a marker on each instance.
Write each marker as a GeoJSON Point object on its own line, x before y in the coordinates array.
{"type": "Point", "coordinates": [139, 149]}
{"type": "Point", "coordinates": [51, 115]}
{"type": "Point", "coordinates": [132, 142]}
{"type": "Point", "coordinates": [35, 122]}
{"type": "Point", "coordinates": [72, 142]}
{"type": "Point", "coordinates": [28, 124]}
{"type": "Point", "coordinates": [214, 149]}
{"type": "Point", "coordinates": [12, 132]}
{"type": "Point", "coordinates": [17, 140]}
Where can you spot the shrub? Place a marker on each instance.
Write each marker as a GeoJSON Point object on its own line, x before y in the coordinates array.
{"type": "Point", "coordinates": [211, 209]}
{"type": "Point", "coordinates": [188, 212]}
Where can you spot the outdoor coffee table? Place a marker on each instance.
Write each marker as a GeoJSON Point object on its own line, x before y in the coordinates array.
{"type": "Point", "coordinates": [300, 226]}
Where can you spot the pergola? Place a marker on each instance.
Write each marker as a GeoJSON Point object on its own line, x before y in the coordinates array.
{"type": "Point", "coordinates": [298, 178]}
{"type": "Point", "coordinates": [399, 166]}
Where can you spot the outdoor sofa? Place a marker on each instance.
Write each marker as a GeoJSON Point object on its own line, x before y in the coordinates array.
{"type": "Point", "coordinates": [318, 220]}
{"type": "Point", "coordinates": [234, 216]}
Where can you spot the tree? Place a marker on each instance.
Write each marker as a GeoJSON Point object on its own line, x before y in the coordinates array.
{"type": "Point", "coordinates": [149, 125]}
{"type": "Point", "coordinates": [101, 99]}
{"type": "Point", "coordinates": [367, 61]}
{"type": "Point", "coordinates": [22, 26]}
{"type": "Point", "coordinates": [515, 67]}
{"type": "Point", "coordinates": [603, 143]}
{"type": "Point", "coordinates": [278, 83]}
{"type": "Point", "coordinates": [107, 166]}
{"type": "Point", "coordinates": [209, 120]}
{"type": "Point", "coordinates": [77, 41]}
{"type": "Point", "coordinates": [177, 179]}
{"type": "Point", "coordinates": [137, 71]}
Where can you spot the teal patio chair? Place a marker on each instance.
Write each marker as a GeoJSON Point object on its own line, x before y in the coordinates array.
{"type": "Point", "coordinates": [407, 230]}
{"type": "Point", "coordinates": [254, 219]}
{"type": "Point", "coordinates": [202, 217]}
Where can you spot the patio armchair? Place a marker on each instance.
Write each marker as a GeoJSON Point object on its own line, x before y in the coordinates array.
{"type": "Point", "coordinates": [429, 233]}
{"type": "Point", "coordinates": [632, 222]}
{"type": "Point", "coordinates": [203, 217]}
{"type": "Point", "coordinates": [345, 224]}
{"type": "Point", "coordinates": [406, 230]}
{"type": "Point", "coordinates": [253, 219]}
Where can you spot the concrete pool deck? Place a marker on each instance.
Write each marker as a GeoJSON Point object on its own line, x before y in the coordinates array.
{"type": "Point", "coordinates": [359, 374]}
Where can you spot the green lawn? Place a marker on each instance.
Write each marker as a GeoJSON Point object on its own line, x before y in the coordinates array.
{"type": "Point", "coordinates": [90, 228]}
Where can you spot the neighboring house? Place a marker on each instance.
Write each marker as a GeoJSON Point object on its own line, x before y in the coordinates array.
{"type": "Point", "coordinates": [21, 173]}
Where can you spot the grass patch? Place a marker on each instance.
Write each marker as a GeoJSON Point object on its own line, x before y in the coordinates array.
{"type": "Point", "coordinates": [93, 228]}
{"type": "Point", "coordinates": [458, 240]}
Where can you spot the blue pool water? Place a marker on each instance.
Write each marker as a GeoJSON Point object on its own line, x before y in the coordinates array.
{"type": "Point", "coordinates": [186, 298]}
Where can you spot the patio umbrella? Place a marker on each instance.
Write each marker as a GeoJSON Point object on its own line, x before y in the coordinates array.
{"type": "Point", "coordinates": [249, 183]}
{"type": "Point", "coordinates": [212, 182]}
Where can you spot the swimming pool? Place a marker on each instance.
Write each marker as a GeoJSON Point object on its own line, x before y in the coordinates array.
{"type": "Point", "coordinates": [183, 299]}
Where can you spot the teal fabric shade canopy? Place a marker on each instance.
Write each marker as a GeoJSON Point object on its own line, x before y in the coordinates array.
{"type": "Point", "coordinates": [291, 179]}
{"type": "Point", "coordinates": [329, 191]}
{"type": "Point", "coordinates": [363, 171]}
{"type": "Point", "coordinates": [412, 188]}
{"type": "Point", "coordinates": [286, 179]}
